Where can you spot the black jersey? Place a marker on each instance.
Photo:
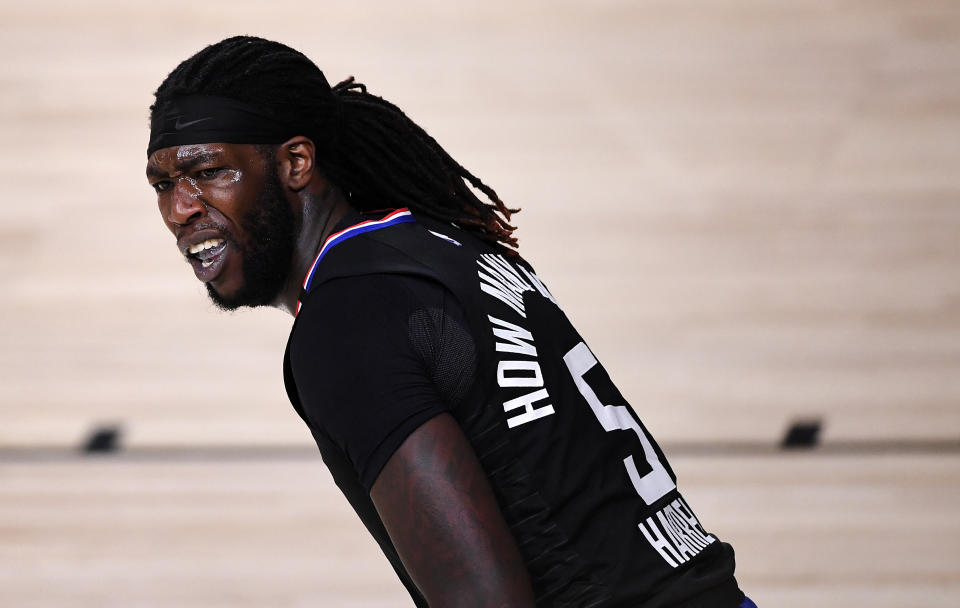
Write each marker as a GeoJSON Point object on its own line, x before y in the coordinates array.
{"type": "Point", "coordinates": [401, 319]}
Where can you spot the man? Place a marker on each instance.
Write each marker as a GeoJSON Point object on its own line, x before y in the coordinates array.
{"type": "Point", "coordinates": [465, 420]}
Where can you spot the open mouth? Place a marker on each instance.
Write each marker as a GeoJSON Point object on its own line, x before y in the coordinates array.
{"type": "Point", "coordinates": [207, 251]}
{"type": "Point", "coordinates": [207, 258]}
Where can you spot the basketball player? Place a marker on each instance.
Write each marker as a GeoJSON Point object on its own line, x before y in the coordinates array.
{"type": "Point", "coordinates": [463, 417]}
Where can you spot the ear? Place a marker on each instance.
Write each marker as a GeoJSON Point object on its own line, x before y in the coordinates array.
{"type": "Point", "coordinates": [296, 159]}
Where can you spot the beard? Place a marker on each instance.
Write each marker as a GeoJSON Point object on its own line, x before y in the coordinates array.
{"type": "Point", "coordinates": [268, 252]}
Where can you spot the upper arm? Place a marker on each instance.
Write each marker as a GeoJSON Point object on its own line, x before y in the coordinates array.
{"type": "Point", "coordinates": [357, 371]}
{"type": "Point", "coordinates": [437, 505]}
{"type": "Point", "coordinates": [376, 367]}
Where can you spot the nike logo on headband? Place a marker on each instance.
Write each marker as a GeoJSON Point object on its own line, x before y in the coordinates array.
{"type": "Point", "coordinates": [183, 125]}
{"type": "Point", "coordinates": [193, 119]}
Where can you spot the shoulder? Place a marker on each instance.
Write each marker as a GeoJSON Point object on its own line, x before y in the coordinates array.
{"type": "Point", "coordinates": [371, 306]}
{"type": "Point", "coordinates": [366, 333]}
{"type": "Point", "coordinates": [362, 359]}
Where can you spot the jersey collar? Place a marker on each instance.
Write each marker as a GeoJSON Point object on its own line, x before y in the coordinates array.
{"type": "Point", "coordinates": [397, 216]}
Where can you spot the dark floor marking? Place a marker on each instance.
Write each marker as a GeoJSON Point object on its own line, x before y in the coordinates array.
{"type": "Point", "coordinates": [102, 440]}
{"type": "Point", "coordinates": [802, 434]}
{"type": "Point", "coordinates": [306, 452]}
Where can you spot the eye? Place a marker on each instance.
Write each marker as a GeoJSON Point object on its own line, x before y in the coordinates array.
{"type": "Point", "coordinates": [161, 186]}
{"type": "Point", "coordinates": [209, 173]}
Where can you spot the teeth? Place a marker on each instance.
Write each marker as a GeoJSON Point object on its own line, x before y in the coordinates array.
{"type": "Point", "coordinates": [207, 244]}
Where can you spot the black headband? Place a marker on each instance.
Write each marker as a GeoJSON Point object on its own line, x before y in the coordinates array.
{"type": "Point", "coordinates": [205, 119]}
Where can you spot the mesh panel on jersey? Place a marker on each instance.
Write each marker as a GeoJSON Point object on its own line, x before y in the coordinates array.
{"type": "Point", "coordinates": [447, 350]}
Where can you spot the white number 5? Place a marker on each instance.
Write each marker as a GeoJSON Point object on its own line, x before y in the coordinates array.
{"type": "Point", "coordinates": [655, 484]}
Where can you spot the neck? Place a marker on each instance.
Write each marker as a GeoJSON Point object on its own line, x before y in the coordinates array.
{"type": "Point", "coordinates": [320, 212]}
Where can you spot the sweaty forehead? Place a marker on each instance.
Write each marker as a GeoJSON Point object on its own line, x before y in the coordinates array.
{"type": "Point", "coordinates": [180, 158]}
{"type": "Point", "coordinates": [193, 151]}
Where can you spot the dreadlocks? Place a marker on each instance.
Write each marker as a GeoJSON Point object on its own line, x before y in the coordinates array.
{"type": "Point", "coordinates": [365, 145]}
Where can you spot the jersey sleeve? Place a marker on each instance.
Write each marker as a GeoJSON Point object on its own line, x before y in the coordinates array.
{"type": "Point", "coordinates": [376, 356]}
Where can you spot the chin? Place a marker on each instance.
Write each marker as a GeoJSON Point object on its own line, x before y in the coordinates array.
{"type": "Point", "coordinates": [241, 298]}
{"type": "Point", "coordinates": [222, 301]}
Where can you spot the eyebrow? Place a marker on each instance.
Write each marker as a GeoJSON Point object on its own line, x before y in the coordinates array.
{"type": "Point", "coordinates": [184, 165]}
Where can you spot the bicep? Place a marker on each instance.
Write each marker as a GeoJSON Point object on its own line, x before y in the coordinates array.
{"type": "Point", "coordinates": [437, 505]}
{"type": "Point", "coordinates": [357, 375]}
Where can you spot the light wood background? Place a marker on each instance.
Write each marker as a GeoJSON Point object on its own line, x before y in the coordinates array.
{"type": "Point", "coordinates": [750, 209]}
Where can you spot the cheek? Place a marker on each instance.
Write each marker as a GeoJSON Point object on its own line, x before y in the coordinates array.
{"type": "Point", "coordinates": [234, 208]}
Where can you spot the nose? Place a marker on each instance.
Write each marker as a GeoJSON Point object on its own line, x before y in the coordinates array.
{"type": "Point", "coordinates": [184, 204]}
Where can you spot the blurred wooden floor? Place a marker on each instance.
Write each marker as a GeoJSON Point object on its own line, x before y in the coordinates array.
{"type": "Point", "coordinates": [809, 530]}
{"type": "Point", "coordinates": [750, 209]}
